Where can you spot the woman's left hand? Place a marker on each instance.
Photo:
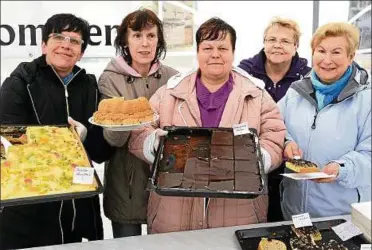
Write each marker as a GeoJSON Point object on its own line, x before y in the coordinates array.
{"type": "Point", "coordinates": [331, 168]}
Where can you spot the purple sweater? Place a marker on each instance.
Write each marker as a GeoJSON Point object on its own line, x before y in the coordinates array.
{"type": "Point", "coordinates": [212, 105]}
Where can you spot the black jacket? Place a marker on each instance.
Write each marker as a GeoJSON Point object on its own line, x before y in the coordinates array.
{"type": "Point", "coordinates": [34, 94]}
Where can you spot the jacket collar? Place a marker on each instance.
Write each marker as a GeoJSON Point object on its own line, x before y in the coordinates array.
{"type": "Point", "coordinates": [358, 81]}
{"type": "Point", "coordinates": [43, 64]}
{"type": "Point", "coordinates": [242, 88]}
{"type": "Point", "coordinates": [186, 85]}
{"type": "Point", "coordinates": [298, 65]}
{"type": "Point", "coordinates": [120, 66]}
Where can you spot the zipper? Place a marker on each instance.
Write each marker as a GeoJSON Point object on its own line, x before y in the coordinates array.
{"type": "Point", "coordinates": [96, 102]}
{"type": "Point", "coordinates": [358, 195]}
{"type": "Point", "coordinates": [33, 104]}
{"type": "Point", "coordinates": [94, 217]}
{"type": "Point", "coordinates": [60, 223]}
{"type": "Point", "coordinates": [317, 111]}
{"type": "Point", "coordinates": [67, 104]}
{"type": "Point", "coordinates": [65, 87]}
{"type": "Point", "coordinates": [130, 182]}
{"type": "Point", "coordinates": [146, 83]}
{"type": "Point", "coordinates": [313, 126]}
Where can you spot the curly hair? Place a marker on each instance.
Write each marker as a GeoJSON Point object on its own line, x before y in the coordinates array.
{"type": "Point", "coordinates": [137, 21]}
{"type": "Point", "coordinates": [286, 23]}
{"type": "Point", "coordinates": [335, 29]}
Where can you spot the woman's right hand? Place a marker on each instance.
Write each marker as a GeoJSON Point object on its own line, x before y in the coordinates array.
{"type": "Point", "coordinates": [292, 150]}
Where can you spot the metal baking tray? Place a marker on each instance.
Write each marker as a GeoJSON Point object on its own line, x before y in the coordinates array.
{"type": "Point", "coordinates": [19, 130]}
{"type": "Point", "coordinates": [194, 192]}
{"type": "Point", "coordinates": [249, 238]}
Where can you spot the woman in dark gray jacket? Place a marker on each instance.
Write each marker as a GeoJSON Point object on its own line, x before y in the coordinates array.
{"type": "Point", "coordinates": [135, 72]}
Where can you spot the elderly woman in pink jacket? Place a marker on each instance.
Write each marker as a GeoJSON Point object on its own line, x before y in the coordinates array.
{"type": "Point", "coordinates": [215, 95]}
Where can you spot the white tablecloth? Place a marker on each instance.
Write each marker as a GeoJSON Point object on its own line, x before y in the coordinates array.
{"type": "Point", "coordinates": [208, 239]}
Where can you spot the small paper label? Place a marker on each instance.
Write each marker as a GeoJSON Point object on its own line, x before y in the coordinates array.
{"type": "Point", "coordinates": [240, 129]}
{"type": "Point", "coordinates": [83, 175]}
{"type": "Point", "coordinates": [346, 230]}
{"type": "Point", "coordinates": [302, 220]}
{"type": "Point", "coordinates": [365, 247]}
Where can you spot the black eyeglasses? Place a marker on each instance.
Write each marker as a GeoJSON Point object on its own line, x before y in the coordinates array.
{"type": "Point", "coordinates": [61, 38]}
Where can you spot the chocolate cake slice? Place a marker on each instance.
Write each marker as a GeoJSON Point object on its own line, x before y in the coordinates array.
{"type": "Point", "coordinates": [248, 182]}
{"type": "Point", "coordinates": [196, 173]}
{"type": "Point", "coordinates": [222, 152]}
{"type": "Point", "coordinates": [243, 140]}
{"type": "Point", "coordinates": [221, 170]}
{"type": "Point", "coordinates": [244, 153]}
{"type": "Point", "coordinates": [169, 180]}
{"type": "Point", "coordinates": [221, 185]}
{"type": "Point", "coordinates": [222, 138]}
{"type": "Point", "coordinates": [248, 166]}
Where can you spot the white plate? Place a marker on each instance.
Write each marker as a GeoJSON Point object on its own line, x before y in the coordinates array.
{"type": "Point", "coordinates": [308, 176]}
{"type": "Point", "coordinates": [127, 127]}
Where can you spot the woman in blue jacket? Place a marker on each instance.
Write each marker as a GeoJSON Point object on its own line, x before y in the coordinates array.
{"type": "Point", "coordinates": [328, 119]}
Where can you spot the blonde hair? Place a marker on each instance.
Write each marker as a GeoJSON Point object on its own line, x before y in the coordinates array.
{"type": "Point", "coordinates": [336, 29]}
{"type": "Point", "coordinates": [286, 23]}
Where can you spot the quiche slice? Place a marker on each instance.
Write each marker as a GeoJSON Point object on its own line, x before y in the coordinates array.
{"type": "Point", "coordinates": [271, 244]}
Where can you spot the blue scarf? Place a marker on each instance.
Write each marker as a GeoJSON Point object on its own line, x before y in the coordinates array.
{"type": "Point", "coordinates": [326, 93]}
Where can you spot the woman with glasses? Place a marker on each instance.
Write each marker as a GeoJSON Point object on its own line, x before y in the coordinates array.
{"type": "Point", "coordinates": [135, 72]}
{"type": "Point", "coordinates": [278, 65]}
{"type": "Point", "coordinates": [47, 91]}
{"type": "Point", "coordinates": [328, 119]}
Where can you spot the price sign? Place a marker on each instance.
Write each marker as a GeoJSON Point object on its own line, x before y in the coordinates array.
{"type": "Point", "coordinates": [346, 230]}
{"type": "Point", "coordinates": [240, 129]}
{"type": "Point", "coordinates": [301, 220]}
{"type": "Point", "coordinates": [83, 175]}
{"type": "Point", "coordinates": [365, 247]}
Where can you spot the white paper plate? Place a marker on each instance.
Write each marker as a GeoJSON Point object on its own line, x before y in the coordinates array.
{"type": "Point", "coordinates": [127, 127]}
{"type": "Point", "coordinates": [308, 176]}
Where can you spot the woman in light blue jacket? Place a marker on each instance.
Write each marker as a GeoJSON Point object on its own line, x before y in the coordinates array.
{"type": "Point", "coordinates": [328, 119]}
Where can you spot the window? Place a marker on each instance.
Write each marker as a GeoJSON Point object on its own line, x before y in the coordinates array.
{"type": "Point", "coordinates": [360, 16]}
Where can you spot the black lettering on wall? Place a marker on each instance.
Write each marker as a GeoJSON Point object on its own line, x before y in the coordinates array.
{"type": "Point", "coordinates": [108, 32]}
{"type": "Point", "coordinates": [22, 33]}
{"type": "Point", "coordinates": [29, 33]}
{"type": "Point", "coordinates": [11, 34]}
{"type": "Point", "coordinates": [97, 33]}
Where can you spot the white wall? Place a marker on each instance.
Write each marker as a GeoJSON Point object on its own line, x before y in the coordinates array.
{"type": "Point", "coordinates": [37, 12]}
{"type": "Point", "coordinates": [249, 18]}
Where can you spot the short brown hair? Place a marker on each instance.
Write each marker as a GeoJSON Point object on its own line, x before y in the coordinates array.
{"type": "Point", "coordinates": [286, 23]}
{"type": "Point", "coordinates": [336, 29]}
{"type": "Point", "coordinates": [215, 29]}
{"type": "Point", "coordinates": [137, 21]}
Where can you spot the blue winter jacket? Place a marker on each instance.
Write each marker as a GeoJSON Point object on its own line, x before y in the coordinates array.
{"type": "Point", "coordinates": [339, 132]}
